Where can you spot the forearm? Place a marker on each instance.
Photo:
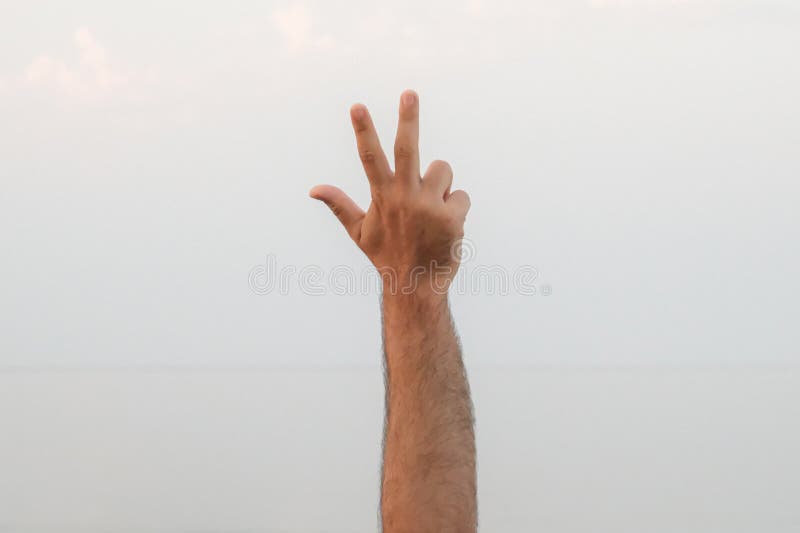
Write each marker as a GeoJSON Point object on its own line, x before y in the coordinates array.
{"type": "Point", "coordinates": [429, 457]}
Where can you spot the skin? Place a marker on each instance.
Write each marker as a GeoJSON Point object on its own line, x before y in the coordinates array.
{"type": "Point", "coordinates": [411, 233]}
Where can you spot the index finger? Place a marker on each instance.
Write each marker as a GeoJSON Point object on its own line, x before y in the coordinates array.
{"type": "Point", "coordinates": [369, 147]}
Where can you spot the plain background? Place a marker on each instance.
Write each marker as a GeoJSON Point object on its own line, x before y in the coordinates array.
{"type": "Point", "coordinates": [641, 155]}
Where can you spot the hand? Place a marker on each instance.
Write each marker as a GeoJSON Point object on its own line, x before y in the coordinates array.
{"type": "Point", "coordinates": [412, 229]}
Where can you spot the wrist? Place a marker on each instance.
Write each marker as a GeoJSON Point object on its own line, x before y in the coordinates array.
{"type": "Point", "coordinates": [418, 303]}
{"type": "Point", "coordinates": [408, 320]}
{"type": "Point", "coordinates": [417, 292]}
{"type": "Point", "coordinates": [416, 281]}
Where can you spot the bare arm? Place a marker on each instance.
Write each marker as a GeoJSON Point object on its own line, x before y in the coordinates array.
{"type": "Point", "coordinates": [410, 233]}
{"type": "Point", "coordinates": [429, 456]}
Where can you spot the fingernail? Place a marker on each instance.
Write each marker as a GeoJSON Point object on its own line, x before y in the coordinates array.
{"type": "Point", "coordinates": [408, 98]}
{"type": "Point", "coordinates": [358, 112]}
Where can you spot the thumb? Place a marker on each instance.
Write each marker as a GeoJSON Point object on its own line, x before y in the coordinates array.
{"type": "Point", "coordinates": [345, 209]}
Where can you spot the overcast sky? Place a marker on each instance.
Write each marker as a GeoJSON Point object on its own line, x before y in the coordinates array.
{"type": "Point", "coordinates": [640, 155]}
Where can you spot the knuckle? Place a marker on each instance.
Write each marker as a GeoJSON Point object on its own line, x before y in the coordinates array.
{"type": "Point", "coordinates": [378, 195]}
{"type": "Point", "coordinates": [442, 166]}
{"type": "Point", "coordinates": [461, 197]}
{"type": "Point", "coordinates": [367, 156]}
{"type": "Point", "coordinates": [403, 151]}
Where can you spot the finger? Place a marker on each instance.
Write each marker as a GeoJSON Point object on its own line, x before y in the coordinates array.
{"type": "Point", "coordinates": [406, 145]}
{"type": "Point", "coordinates": [438, 178]}
{"type": "Point", "coordinates": [369, 147]}
{"type": "Point", "coordinates": [459, 202]}
{"type": "Point", "coordinates": [345, 209]}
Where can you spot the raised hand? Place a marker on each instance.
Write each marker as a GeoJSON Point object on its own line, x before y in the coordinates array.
{"type": "Point", "coordinates": [411, 233]}
{"type": "Point", "coordinates": [414, 224]}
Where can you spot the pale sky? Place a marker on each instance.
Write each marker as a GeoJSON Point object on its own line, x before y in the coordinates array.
{"type": "Point", "coordinates": [641, 155]}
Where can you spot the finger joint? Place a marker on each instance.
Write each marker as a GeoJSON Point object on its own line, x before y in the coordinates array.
{"type": "Point", "coordinates": [403, 152]}
{"type": "Point", "coordinates": [367, 156]}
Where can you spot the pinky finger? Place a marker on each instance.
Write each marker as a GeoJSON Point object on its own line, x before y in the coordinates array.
{"type": "Point", "coordinates": [459, 202]}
